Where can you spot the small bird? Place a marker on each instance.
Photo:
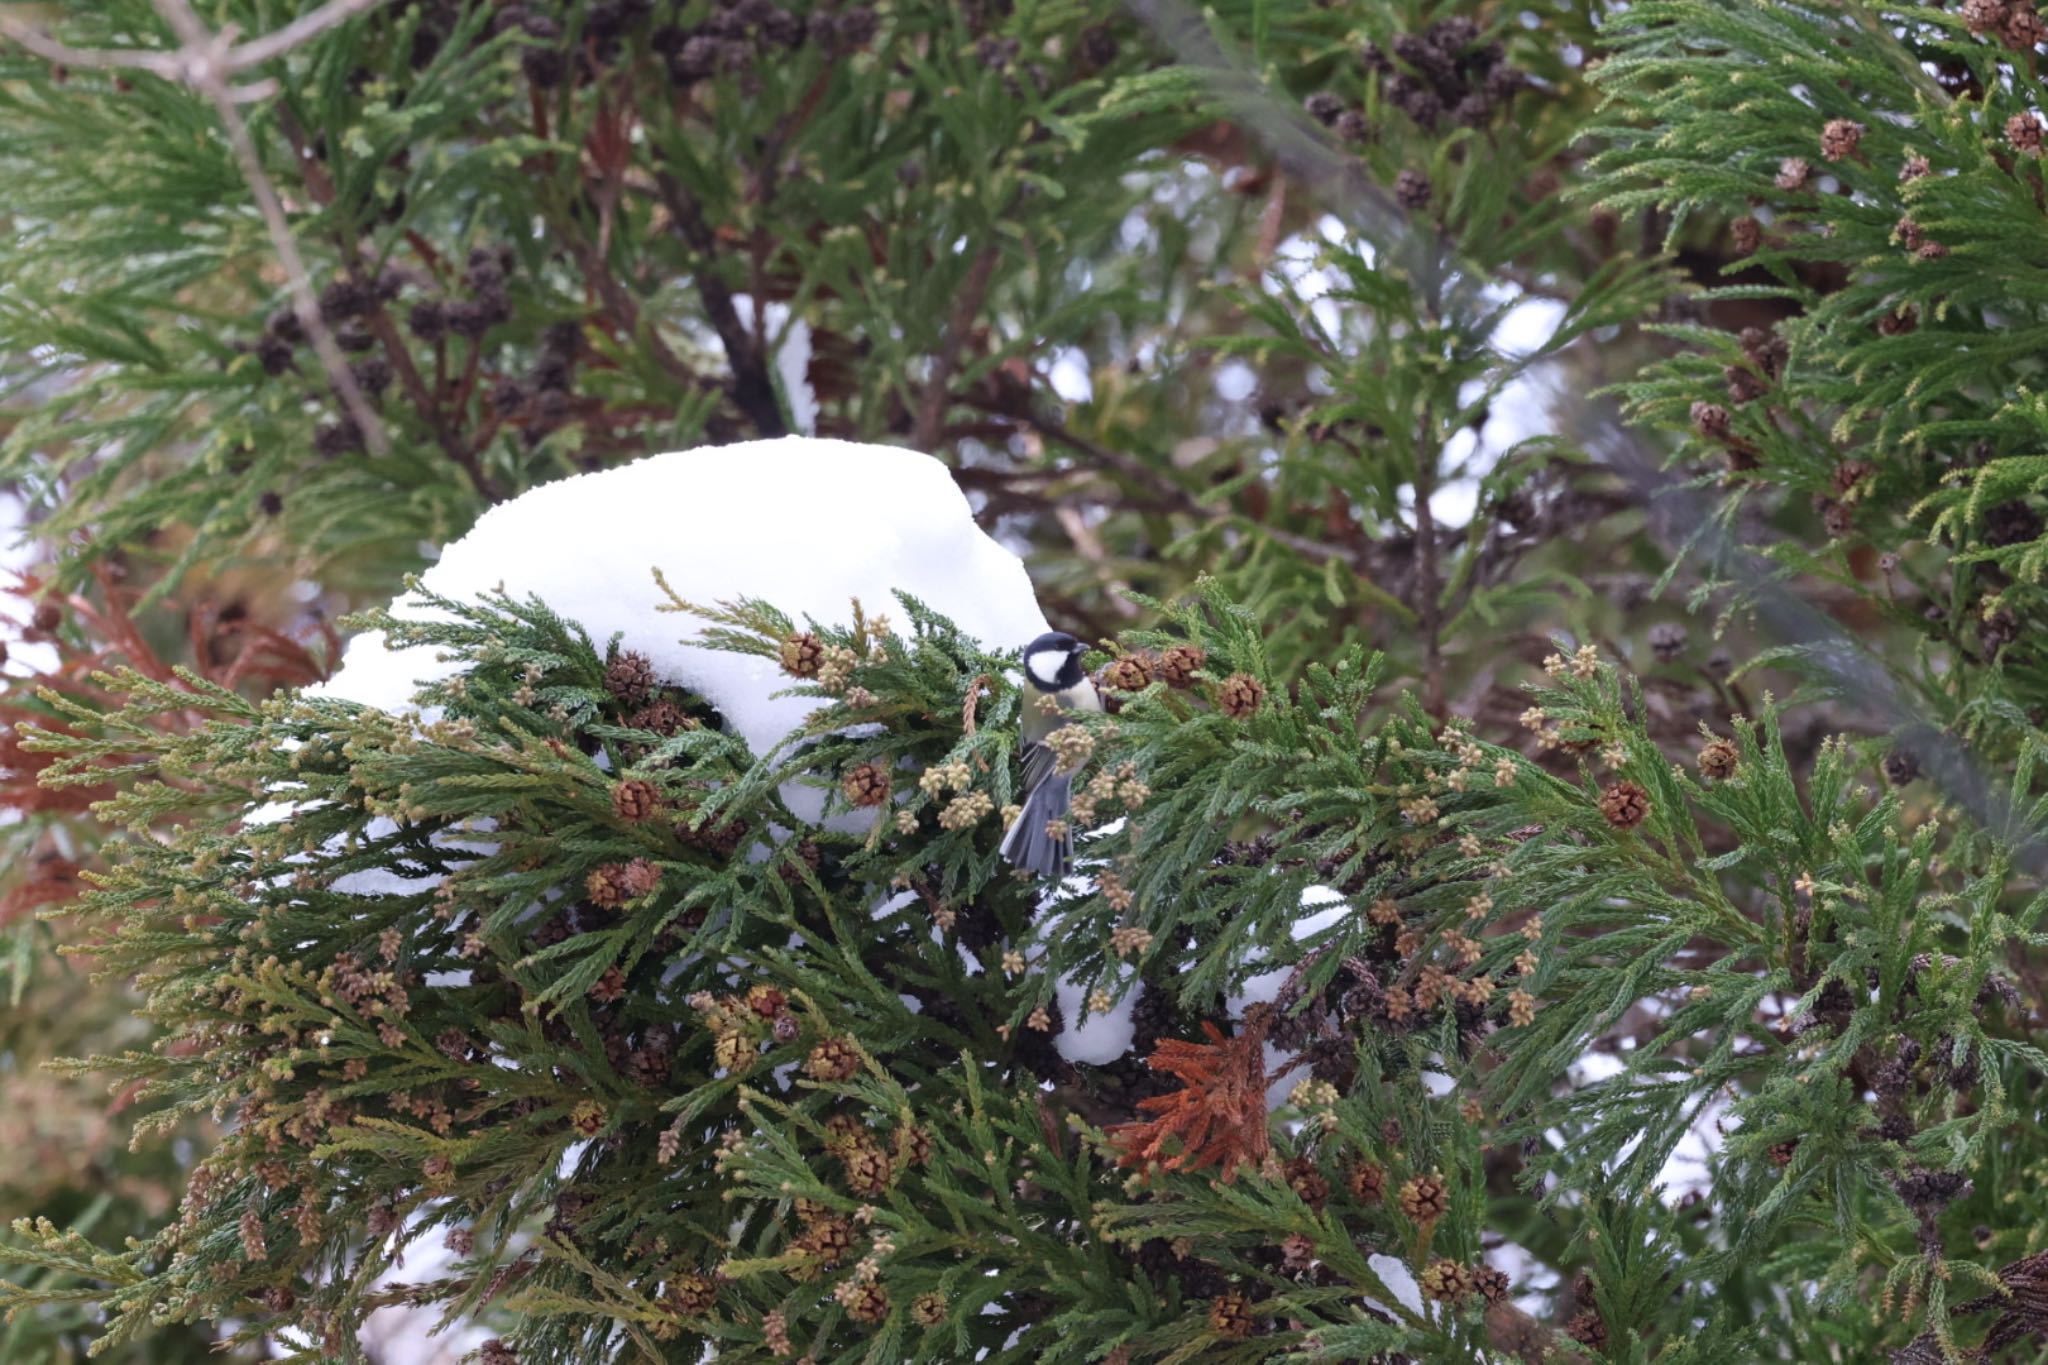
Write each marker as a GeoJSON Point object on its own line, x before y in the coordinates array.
{"type": "Point", "coordinates": [1052, 665]}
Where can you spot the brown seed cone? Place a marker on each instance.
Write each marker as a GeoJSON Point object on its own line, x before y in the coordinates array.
{"type": "Point", "coordinates": [1424, 1198]}
{"type": "Point", "coordinates": [1230, 1315]}
{"type": "Point", "coordinates": [766, 1001]}
{"type": "Point", "coordinates": [690, 1295]}
{"type": "Point", "coordinates": [606, 886]}
{"type": "Point", "coordinates": [1307, 1182]}
{"type": "Point", "coordinates": [1839, 138]}
{"type": "Point", "coordinates": [867, 785]}
{"type": "Point", "coordinates": [2023, 30]}
{"type": "Point", "coordinates": [803, 654]}
{"type": "Point", "coordinates": [635, 799]}
{"type": "Point", "coordinates": [663, 717]}
{"type": "Point", "coordinates": [629, 677]}
{"type": "Point", "coordinates": [1588, 1328]}
{"type": "Point", "coordinates": [1240, 694]}
{"type": "Point", "coordinates": [614, 884]}
{"type": "Point", "coordinates": [1624, 804]}
{"type": "Point", "coordinates": [1367, 1181]}
{"type": "Point", "coordinates": [804, 857]}
{"type": "Point", "coordinates": [1492, 1284]}
{"type": "Point", "coordinates": [720, 839]}
{"type": "Point", "coordinates": [928, 1310]}
{"type": "Point", "coordinates": [1131, 673]}
{"type": "Point", "coordinates": [913, 1146]}
{"type": "Point", "coordinates": [868, 1169]}
{"type": "Point", "coordinates": [2023, 131]}
{"type": "Point", "coordinates": [1719, 759]}
{"type": "Point", "coordinates": [1982, 16]}
{"type": "Point", "coordinates": [842, 1131]}
{"type": "Point", "coordinates": [835, 1059]}
{"type": "Point", "coordinates": [868, 1303]}
{"type": "Point", "coordinates": [1445, 1280]}
{"type": "Point", "coordinates": [1849, 473]}
{"type": "Point", "coordinates": [1178, 664]}
{"type": "Point", "coordinates": [829, 1237]}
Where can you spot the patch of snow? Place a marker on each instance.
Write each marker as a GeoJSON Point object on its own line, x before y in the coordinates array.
{"type": "Point", "coordinates": [1093, 1038]}
{"type": "Point", "coordinates": [802, 523]}
{"type": "Point", "coordinates": [1396, 1276]}
{"type": "Point", "coordinates": [1265, 987]}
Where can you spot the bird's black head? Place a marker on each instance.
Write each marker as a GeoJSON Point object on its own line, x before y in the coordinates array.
{"type": "Point", "coordinates": [1053, 661]}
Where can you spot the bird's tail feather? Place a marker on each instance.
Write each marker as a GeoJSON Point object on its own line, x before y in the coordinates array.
{"type": "Point", "coordinates": [1027, 844]}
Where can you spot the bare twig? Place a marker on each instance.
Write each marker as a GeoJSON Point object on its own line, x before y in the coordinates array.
{"type": "Point", "coordinates": [275, 44]}
{"type": "Point", "coordinates": [1170, 493]}
{"type": "Point", "coordinates": [169, 65]}
{"type": "Point", "coordinates": [205, 60]}
{"type": "Point", "coordinates": [931, 406]}
{"type": "Point", "coordinates": [186, 64]}
{"type": "Point", "coordinates": [752, 389]}
{"type": "Point", "coordinates": [1429, 586]}
{"type": "Point", "coordinates": [205, 67]}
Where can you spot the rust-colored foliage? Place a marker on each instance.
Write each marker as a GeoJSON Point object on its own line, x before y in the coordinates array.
{"type": "Point", "coordinates": [2023, 1315]}
{"type": "Point", "coordinates": [226, 647]}
{"type": "Point", "coordinates": [1218, 1117]}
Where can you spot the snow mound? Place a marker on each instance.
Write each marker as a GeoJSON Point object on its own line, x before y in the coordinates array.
{"type": "Point", "coordinates": [804, 524]}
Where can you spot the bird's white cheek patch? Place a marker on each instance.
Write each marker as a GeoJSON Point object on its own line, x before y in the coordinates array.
{"type": "Point", "coordinates": [1045, 666]}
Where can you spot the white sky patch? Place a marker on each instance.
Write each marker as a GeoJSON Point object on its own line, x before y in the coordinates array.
{"type": "Point", "coordinates": [1070, 377]}
{"type": "Point", "coordinates": [16, 556]}
{"type": "Point", "coordinates": [1688, 1169]}
{"type": "Point", "coordinates": [1235, 381]}
{"type": "Point", "coordinates": [1528, 327]}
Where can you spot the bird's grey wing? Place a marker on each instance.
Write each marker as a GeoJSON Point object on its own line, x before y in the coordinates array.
{"type": "Point", "coordinates": [1038, 765]}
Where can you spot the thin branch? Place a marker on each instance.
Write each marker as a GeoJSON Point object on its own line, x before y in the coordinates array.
{"type": "Point", "coordinates": [205, 72]}
{"type": "Point", "coordinates": [1428, 587]}
{"type": "Point", "coordinates": [752, 389]}
{"type": "Point", "coordinates": [185, 64]}
{"type": "Point", "coordinates": [931, 406]}
{"type": "Point", "coordinates": [625, 310]}
{"type": "Point", "coordinates": [1171, 493]}
{"type": "Point", "coordinates": [259, 50]}
{"type": "Point", "coordinates": [169, 65]}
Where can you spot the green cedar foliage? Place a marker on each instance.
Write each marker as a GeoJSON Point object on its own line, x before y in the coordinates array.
{"type": "Point", "coordinates": [435, 1002]}
{"type": "Point", "coordinates": [1869, 177]}
{"type": "Point", "coordinates": [683, 1072]}
{"type": "Point", "coordinates": [949, 197]}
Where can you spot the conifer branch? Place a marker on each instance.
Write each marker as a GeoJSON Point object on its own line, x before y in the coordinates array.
{"type": "Point", "coordinates": [752, 389]}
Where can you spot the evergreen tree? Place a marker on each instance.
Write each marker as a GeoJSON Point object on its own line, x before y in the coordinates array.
{"type": "Point", "coordinates": [1511, 972]}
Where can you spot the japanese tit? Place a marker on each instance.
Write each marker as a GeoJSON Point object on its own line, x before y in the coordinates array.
{"type": "Point", "coordinates": [1052, 668]}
